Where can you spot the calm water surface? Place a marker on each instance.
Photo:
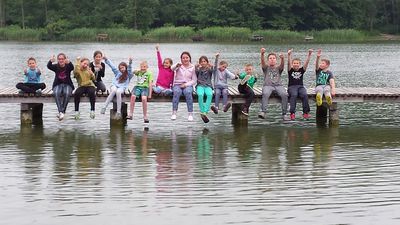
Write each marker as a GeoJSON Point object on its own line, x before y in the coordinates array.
{"type": "Point", "coordinates": [84, 172]}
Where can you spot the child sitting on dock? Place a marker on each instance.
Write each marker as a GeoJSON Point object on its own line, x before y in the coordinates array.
{"type": "Point", "coordinates": [221, 76]}
{"type": "Point", "coordinates": [99, 69]}
{"type": "Point", "coordinates": [324, 80]}
{"type": "Point", "coordinates": [123, 75]}
{"type": "Point", "coordinates": [85, 79]}
{"type": "Point", "coordinates": [32, 82]}
{"type": "Point", "coordinates": [246, 85]}
{"type": "Point", "coordinates": [204, 73]}
{"type": "Point", "coordinates": [165, 76]}
{"type": "Point", "coordinates": [296, 87]}
{"type": "Point", "coordinates": [273, 83]}
{"type": "Point", "coordinates": [142, 89]}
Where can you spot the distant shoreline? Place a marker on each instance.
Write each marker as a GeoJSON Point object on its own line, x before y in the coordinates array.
{"type": "Point", "coordinates": [188, 35]}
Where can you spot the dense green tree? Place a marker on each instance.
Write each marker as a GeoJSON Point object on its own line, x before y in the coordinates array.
{"type": "Point", "coordinates": [298, 15]}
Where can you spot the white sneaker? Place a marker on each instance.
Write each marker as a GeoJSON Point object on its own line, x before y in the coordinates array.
{"type": "Point", "coordinates": [190, 118]}
{"type": "Point", "coordinates": [61, 116]}
{"type": "Point", "coordinates": [103, 111]}
{"type": "Point", "coordinates": [58, 115]}
{"type": "Point", "coordinates": [173, 117]}
{"type": "Point", "coordinates": [92, 115]}
{"type": "Point", "coordinates": [77, 115]}
{"type": "Point", "coordinates": [118, 116]}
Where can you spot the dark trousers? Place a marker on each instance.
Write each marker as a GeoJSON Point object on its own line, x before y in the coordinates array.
{"type": "Point", "coordinates": [80, 91]}
{"type": "Point", "coordinates": [248, 95]}
{"type": "Point", "coordinates": [30, 87]}
{"type": "Point", "coordinates": [296, 91]}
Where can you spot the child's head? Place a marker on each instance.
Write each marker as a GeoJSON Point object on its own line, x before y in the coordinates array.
{"type": "Point", "coordinates": [271, 59]}
{"type": "Point", "coordinates": [61, 59]}
{"type": "Point", "coordinates": [84, 63]}
{"type": "Point", "coordinates": [123, 67]}
{"type": "Point", "coordinates": [248, 68]}
{"type": "Point", "coordinates": [222, 66]}
{"type": "Point", "coordinates": [32, 63]}
{"type": "Point", "coordinates": [186, 58]}
{"type": "Point", "coordinates": [167, 63]}
{"type": "Point", "coordinates": [203, 61]}
{"type": "Point", "coordinates": [144, 66]}
{"type": "Point", "coordinates": [97, 56]}
{"type": "Point", "coordinates": [324, 64]}
{"type": "Point", "coordinates": [296, 63]}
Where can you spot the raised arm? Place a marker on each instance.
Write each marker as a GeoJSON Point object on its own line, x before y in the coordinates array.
{"type": "Point", "coordinates": [317, 60]}
{"type": "Point", "coordinates": [50, 65]}
{"type": "Point", "coordinates": [77, 66]}
{"type": "Point", "coordinates": [289, 65]}
{"type": "Point", "coordinates": [282, 63]}
{"type": "Point", "coordinates": [310, 51]}
{"type": "Point", "coordinates": [130, 74]}
{"type": "Point", "coordinates": [111, 65]}
{"type": "Point", "coordinates": [263, 64]}
{"type": "Point", "coordinates": [159, 59]}
{"type": "Point", "coordinates": [216, 63]}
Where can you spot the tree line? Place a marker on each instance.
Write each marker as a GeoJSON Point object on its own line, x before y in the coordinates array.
{"type": "Point", "coordinates": [298, 15]}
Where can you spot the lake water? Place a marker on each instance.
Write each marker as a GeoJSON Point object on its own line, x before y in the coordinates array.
{"type": "Point", "coordinates": [84, 172]}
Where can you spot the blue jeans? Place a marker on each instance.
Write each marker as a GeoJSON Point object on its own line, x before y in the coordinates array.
{"type": "Point", "coordinates": [177, 92]}
{"type": "Point", "coordinates": [298, 91]}
{"type": "Point", "coordinates": [161, 90]}
{"type": "Point", "coordinates": [218, 92]}
{"type": "Point", "coordinates": [62, 93]}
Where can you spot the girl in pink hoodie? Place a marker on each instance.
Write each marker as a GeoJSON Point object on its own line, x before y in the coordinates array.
{"type": "Point", "coordinates": [165, 76]}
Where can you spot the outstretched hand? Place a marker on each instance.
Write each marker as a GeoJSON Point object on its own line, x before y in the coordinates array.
{"type": "Point", "coordinates": [263, 50]}
{"type": "Point", "coordinates": [319, 53]}
{"type": "Point", "coordinates": [310, 51]}
{"type": "Point", "coordinates": [289, 52]}
{"type": "Point", "coordinates": [157, 47]}
{"type": "Point", "coordinates": [53, 58]}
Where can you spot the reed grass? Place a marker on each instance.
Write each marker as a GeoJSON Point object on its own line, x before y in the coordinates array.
{"type": "Point", "coordinates": [226, 34]}
{"type": "Point", "coordinates": [170, 33]}
{"type": "Point", "coordinates": [13, 33]}
{"type": "Point", "coordinates": [339, 36]}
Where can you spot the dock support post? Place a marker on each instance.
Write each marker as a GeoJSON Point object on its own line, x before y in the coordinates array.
{"type": "Point", "coordinates": [333, 115]}
{"type": "Point", "coordinates": [31, 113]}
{"type": "Point", "coordinates": [321, 115]}
{"type": "Point", "coordinates": [238, 118]}
{"type": "Point", "coordinates": [114, 119]}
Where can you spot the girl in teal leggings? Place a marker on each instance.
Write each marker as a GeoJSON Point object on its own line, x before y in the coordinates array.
{"type": "Point", "coordinates": [204, 73]}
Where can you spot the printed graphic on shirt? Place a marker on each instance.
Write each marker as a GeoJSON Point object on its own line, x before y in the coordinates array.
{"type": "Point", "coordinates": [141, 80]}
{"type": "Point", "coordinates": [297, 75]}
{"type": "Point", "coordinates": [62, 75]}
{"type": "Point", "coordinates": [323, 78]}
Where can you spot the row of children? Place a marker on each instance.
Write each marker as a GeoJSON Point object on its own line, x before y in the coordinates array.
{"type": "Point", "coordinates": [179, 79]}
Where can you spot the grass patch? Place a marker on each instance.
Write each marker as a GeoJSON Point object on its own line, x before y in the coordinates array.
{"type": "Point", "coordinates": [226, 34]}
{"type": "Point", "coordinates": [170, 34]}
{"type": "Point", "coordinates": [14, 33]}
{"type": "Point", "coordinates": [114, 35]}
{"type": "Point", "coordinates": [339, 36]}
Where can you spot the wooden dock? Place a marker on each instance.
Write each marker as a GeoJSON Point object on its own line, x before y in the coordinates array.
{"type": "Point", "coordinates": [343, 95]}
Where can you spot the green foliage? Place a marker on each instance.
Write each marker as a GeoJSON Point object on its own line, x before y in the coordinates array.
{"type": "Point", "coordinates": [170, 34]}
{"type": "Point", "coordinates": [122, 34]}
{"type": "Point", "coordinates": [344, 35]}
{"type": "Point", "coordinates": [226, 34]}
{"type": "Point", "coordinates": [17, 34]}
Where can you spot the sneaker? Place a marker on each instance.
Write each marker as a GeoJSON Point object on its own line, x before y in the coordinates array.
{"type": "Point", "coordinates": [245, 112]}
{"type": "Point", "coordinates": [318, 98]}
{"type": "Point", "coordinates": [118, 116]}
{"type": "Point", "coordinates": [285, 118]}
{"type": "Point", "coordinates": [146, 121]}
{"type": "Point", "coordinates": [190, 118]}
{"type": "Point", "coordinates": [58, 115]}
{"type": "Point", "coordinates": [261, 115]}
{"type": "Point", "coordinates": [129, 117]}
{"type": "Point", "coordinates": [292, 116]}
{"type": "Point", "coordinates": [214, 109]}
{"type": "Point", "coordinates": [92, 115]}
{"type": "Point", "coordinates": [173, 117]}
{"type": "Point", "coordinates": [77, 115]}
{"type": "Point", "coordinates": [39, 92]}
{"type": "Point", "coordinates": [61, 116]}
{"type": "Point", "coordinates": [306, 116]}
{"type": "Point", "coordinates": [328, 99]}
{"type": "Point", "coordinates": [227, 106]}
{"type": "Point", "coordinates": [204, 118]}
{"type": "Point", "coordinates": [103, 110]}
{"type": "Point", "coordinates": [21, 93]}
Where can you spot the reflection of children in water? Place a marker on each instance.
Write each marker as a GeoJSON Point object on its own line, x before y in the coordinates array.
{"type": "Point", "coordinates": [323, 144]}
